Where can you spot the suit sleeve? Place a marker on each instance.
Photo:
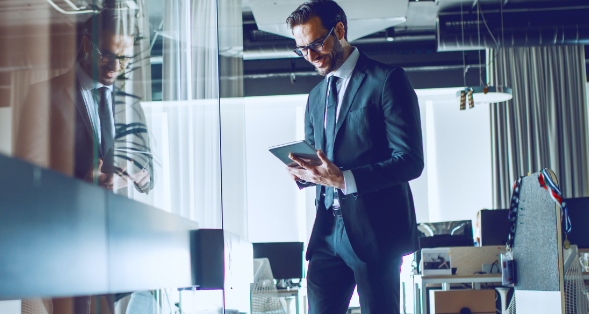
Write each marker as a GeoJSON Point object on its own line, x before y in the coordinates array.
{"type": "Point", "coordinates": [403, 130]}
{"type": "Point", "coordinates": [309, 132]}
{"type": "Point", "coordinates": [310, 138]}
{"type": "Point", "coordinates": [32, 129]}
{"type": "Point", "coordinates": [141, 141]}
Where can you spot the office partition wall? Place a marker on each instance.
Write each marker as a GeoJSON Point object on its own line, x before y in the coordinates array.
{"type": "Point", "coordinates": [120, 104]}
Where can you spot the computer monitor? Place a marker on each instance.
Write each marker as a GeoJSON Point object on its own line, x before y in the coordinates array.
{"type": "Point", "coordinates": [445, 234]}
{"type": "Point", "coordinates": [286, 258]}
{"type": "Point", "coordinates": [578, 209]}
{"type": "Point", "coordinates": [494, 226]}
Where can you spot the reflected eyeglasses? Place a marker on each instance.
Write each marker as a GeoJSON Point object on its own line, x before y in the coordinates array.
{"type": "Point", "coordinates": [107, 57]}
{"type": "Point", "coordinates": [316, 46]}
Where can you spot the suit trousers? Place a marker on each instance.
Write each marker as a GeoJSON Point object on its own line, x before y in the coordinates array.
{"type": "Point", "coordinates": [334, 271]}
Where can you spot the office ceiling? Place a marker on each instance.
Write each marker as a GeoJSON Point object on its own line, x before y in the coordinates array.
{"type": "Point", "coordinates": [420, 18]}
{"type": "Point", "coordinates": [411, 44]}
{"type": "Point", "coordinates": [364, 17]}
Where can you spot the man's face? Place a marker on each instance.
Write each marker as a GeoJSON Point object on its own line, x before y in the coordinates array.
{"type": "Point", "coordinates": [109, 64]}
{"type": "Point", "coordinates": [331, 57]}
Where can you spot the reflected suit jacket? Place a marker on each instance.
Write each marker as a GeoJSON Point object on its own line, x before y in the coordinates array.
{"type": "Point", "coordinates": [55, 127]}
{"type": "Point", "coordinates": [378, 137]}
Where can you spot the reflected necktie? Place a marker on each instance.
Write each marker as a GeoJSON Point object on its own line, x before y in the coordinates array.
{"type": "Point", "coordinates": [330, 120]}
{"type": "Point", "coordinates": [107, 132]}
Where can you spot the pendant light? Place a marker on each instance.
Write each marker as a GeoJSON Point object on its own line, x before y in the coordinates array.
{"type": "Point", "coordinates": [486, 93]}
{"type": "Point", "coordinates": [467, 92]}
{"type": "Point", "coordinates": [491, 94]}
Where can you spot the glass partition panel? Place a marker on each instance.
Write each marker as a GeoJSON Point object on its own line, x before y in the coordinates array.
{"type": "Point", "coordinates": [182, 111]}
{"type": "Point", "coordinates": [238, 251]}
{"type": "Point", "coordinates": [122, 94]}
{"type": "Point", "coordinates": [232, 112]}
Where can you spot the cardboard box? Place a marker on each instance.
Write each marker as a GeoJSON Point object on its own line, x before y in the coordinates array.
{"type": "Point", "coordinates": [451, 302]}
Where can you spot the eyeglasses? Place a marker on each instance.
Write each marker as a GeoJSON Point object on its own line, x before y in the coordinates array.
{"type": "Point", "coordinates": [316, 46]}
{"type": "Point", "coordinates": [110, 57]}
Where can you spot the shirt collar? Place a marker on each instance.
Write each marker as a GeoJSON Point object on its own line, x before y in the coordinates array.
{"type": "Point", "coordinates": [86, 82]}
{"type": "Point", "coordinates": [345, 70]}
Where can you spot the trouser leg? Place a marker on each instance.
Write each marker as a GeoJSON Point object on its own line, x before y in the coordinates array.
{"type": "Point", "coordinates": [335, 269]}
{"type": "Point", "coordinates": [378, 283]}
{"type": "Point", "coordinates": [330, 281]}
{"type": "Point", "coordinates": [330, 284]}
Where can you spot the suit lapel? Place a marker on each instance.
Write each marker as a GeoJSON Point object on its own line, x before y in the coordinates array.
{"type": "Point", "coordinates": [76, 95]}
{"type": "Point", "coordinates": [320, 114]}
{"type": "Point", "coordinates": [352, 90]}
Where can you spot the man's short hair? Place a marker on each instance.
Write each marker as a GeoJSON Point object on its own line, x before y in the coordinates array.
{"type": "Point", "coordinates": [118, 22]}
{"type": "Point", "coordinates": [328, 11]}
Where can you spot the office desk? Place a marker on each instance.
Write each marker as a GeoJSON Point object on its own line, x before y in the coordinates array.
{"type": "Point", "coordinates": [292, 292]}
{"type": "Point", "coordinates": [421, 298]}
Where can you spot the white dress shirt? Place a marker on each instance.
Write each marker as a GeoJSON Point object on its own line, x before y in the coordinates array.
{"type": "Point", "coordinates": [344, 73]}
{"type": "Point", "coordinates": [89, 89]}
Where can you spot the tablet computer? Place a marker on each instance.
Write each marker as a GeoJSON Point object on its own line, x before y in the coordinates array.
{"type": "Point", "coordinates": [301, 149]}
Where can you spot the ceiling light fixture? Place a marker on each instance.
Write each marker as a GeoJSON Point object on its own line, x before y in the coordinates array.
{"type": "Point", "coordinates": [483, 93]}
{"type": "Point", "coordinates": [486, 93]}
{"type": "Point", "coordinates": [492, 94]}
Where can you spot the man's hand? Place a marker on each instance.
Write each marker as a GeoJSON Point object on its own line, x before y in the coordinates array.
{"type": "Point", "coordinates": [105, 180]}
{"type": "Point", "coordinates": [140, 178]}
{"type": "Point", "coordinates": [326, 173]}
{"type": "Point", "coordinates": [119, 181]}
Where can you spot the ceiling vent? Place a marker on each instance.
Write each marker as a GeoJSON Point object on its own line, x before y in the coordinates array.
{"type": "Point", "coordinates": [525, 27]}
{"type": "Point", "coordinates": [364, 17]}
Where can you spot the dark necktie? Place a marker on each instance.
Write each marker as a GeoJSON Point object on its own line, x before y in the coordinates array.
{"type": "Point", "coordinates": [107, 132]}
{"type": "Point", "coordinates": [330, 120]}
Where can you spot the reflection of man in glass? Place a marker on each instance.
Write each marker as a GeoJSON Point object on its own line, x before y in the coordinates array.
{"type": "Point", "coordinates": [107, 47]}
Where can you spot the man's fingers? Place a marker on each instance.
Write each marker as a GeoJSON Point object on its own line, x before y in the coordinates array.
{"type": "Point", "coordinates": [305, 164]}
{"type": "Point", "coordinates": [140, 178]}
{"type": "Point", "coordinates": [296, 159]}
{"type": "Point", "coordinates": [144, 181]}
{"type": "Point", "coordinates": [298, 174]}
{"type": "Point", "coordinates": [322, 156]}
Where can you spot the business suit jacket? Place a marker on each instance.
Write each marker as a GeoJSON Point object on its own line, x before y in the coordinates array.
{"type": "Point", "coordinates": [55, 130]}
{"type": "Point", "coordinates": [378, 137]}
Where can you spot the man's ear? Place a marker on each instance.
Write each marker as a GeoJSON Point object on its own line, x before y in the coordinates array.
{"type": "Point", "coordinates": [340, 30]}
{"type": "Point", "coordinates": [86, 44]}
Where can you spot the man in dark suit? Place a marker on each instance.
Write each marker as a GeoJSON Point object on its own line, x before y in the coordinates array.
{"type": "Point", "coordinates": [363, 119]}
{"type": "Point", "coordinates": [68, 123]}
{"type": "Point", "coordinates": [79, 116]}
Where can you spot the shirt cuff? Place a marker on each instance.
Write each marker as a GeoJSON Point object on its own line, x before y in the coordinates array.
{"type": "Point", "coordinates": [349, 182]}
